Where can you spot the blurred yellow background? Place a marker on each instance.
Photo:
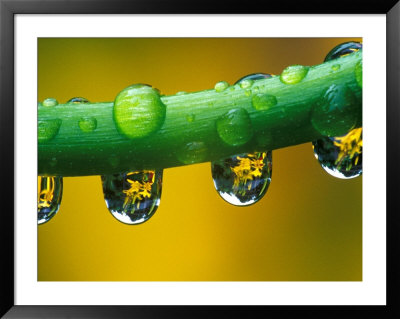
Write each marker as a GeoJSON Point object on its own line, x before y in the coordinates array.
{"type": "Point", "coordinates": [308, 226]}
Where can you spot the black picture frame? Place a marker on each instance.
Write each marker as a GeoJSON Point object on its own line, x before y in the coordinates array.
{"type": "Point", "coordinates": [8, 9]}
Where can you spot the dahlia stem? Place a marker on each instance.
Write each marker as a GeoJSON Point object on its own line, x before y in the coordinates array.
{"type": "Point", "coordinates": [83, 139]}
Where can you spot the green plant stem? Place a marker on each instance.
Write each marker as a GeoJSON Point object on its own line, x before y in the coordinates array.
{"type": "Point", "coordinates": [189, 133]}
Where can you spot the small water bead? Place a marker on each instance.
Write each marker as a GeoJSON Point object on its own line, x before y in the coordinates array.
{"type": "Point", "coordinates": [49, 197]}
{"type": "Point", "coordinates": [190, 118]}
{"type": "Point", "coordinates": [335, 67]}
{"type": "Point", "coordinates": [338, 102]}
{"type": "Point", "coordinates": [87, 124]}
{"type": "Point", "coordinates": [50, 102]}
{"type": "Point", "coordinates": [263, 101]}
{"type": "Point", "coordinates": [247, 92]}
{"type": "Point", "coordinates": [138, 111]}
{"type": "Point", "coordinates": [246, 83]}
{"type": "Point", "coordinates": [341, 156]}
{"type": "Point", "coordinates": [221, 86]}
{"type": "Point", "coordinates": [243, 180]}
{"type": "Point", "coordinates": [78, 100]}
{"type": "Point", "coordinates": [48, 129]}
{"type": "Point", "coordinates": [343, 49]}
{"type": "Point", "coordinates": [133, 197]}
{"type": "Point", "coordinates": [293, 74]}
{"type": "Point", "coordinates": [234, 127]}
{"type": "Point", "coordinates": [192, 152]}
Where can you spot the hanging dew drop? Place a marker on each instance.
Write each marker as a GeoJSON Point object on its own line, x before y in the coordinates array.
{"type": "Point", "coordinates": [49, 197]}
{"type": "Point", "coordinates": [50, 102]}
{"type": "Point", "coordinates": [234, 127]}
{"type": "Point", "coordinates": [221, 86]}
{"type": "Point", "coordinates": [341, 156]}
{"type": "Point", "coordinates": [243, 180]}
{"type": "Point", "coordinates": [138, 111]}
{"type": "Point", "coordinates": [293, 74]}
{"type": "Point", "coordinates": [133, 197]}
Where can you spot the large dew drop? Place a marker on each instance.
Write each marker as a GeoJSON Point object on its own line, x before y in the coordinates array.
{"type": "Point", "coordinates": [133, 197]}
{"type": "Point", "coordinates": [341, 156]}
{"type": "Point", "coordinates": [138, 111]}
{"type": "Point", "coordinates": [234, 127]}
{"type": "Point", "coordinates": [243, 180]}
{"type": "Point", "coordinates": [335, 113]}
{"type": "Point", "coordinates": [48, 129]}
{"type": "Point", "coordinates": [49, 197]}
{"type": "Point", "coordinates": [293, 74]}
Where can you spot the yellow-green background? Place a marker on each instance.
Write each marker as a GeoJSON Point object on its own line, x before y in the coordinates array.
{"type": "Point", "coordinates": [307, 227]}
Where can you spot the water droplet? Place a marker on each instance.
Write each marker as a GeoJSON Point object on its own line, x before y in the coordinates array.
{"type": "Point", "coordinates": [49, 197]}
{"type": "Point", "coordinates": [48, 129]}
{"type": "Point", "coordinates": [246, 83]}
{"type": "Point", "coordinates": [341, 156]}
{"type": "Point", "coordinates": [247, 92]}
{"type": "Point", "coordinates": [87, 124]}
{"type": "Point", "coordinates": [334, 114]}
{"type": "Point", "coordinates": [49, 102]}
{"type": "Point", "coordinates": [293, 74]}
{"type": "Point", "coordinates": [234, 127]}
{"type": "Point", "coordinates": [343, 49]}
{"type": "Point", "coordinates": [263, 101]}
{"type": "Point", "coordinates": [133, 197]}
{"type": "Point", "coordinates": [243, 179]}
{"type": "Point", "coordinates": [221, 86]}
{"type": "Point", "coordinates": [77, 100]}
{"type": "Point", "coordinates": [138, 111]}
{"type": "Point", "coordinates": [335, 67]}
{"type": "Point", "coordinates": [254, 77]}
{"type": "Point", "coordinates": [191, 153]}
{"type": "Point", "coordinates": [190, 118]}
{"type": "Point", "coordinates": [358, 73]}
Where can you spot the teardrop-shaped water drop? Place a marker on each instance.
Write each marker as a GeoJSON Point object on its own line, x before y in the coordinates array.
{"type": "Point", "coordinates": [341, 156]}
{"type": "Point", "coordinates": [243, 179]}
{"type": "Point", "coordinates": [133, 197]}
{"type": "Point", "coordinates": [49, 197]}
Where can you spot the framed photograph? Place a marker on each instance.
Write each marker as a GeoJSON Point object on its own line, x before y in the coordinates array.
{"type": "Point", "coordinates": [180, 159]}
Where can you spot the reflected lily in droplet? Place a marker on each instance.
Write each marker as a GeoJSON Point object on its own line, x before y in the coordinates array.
{"type": "Point", "coordinates": [243, 179]}
{"type": "Point", "coordinates": [133, 197]}
{"type": "Point", "coordinates": [341, 156]}
{"type": "Point", "coordinates": [49, 197]}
